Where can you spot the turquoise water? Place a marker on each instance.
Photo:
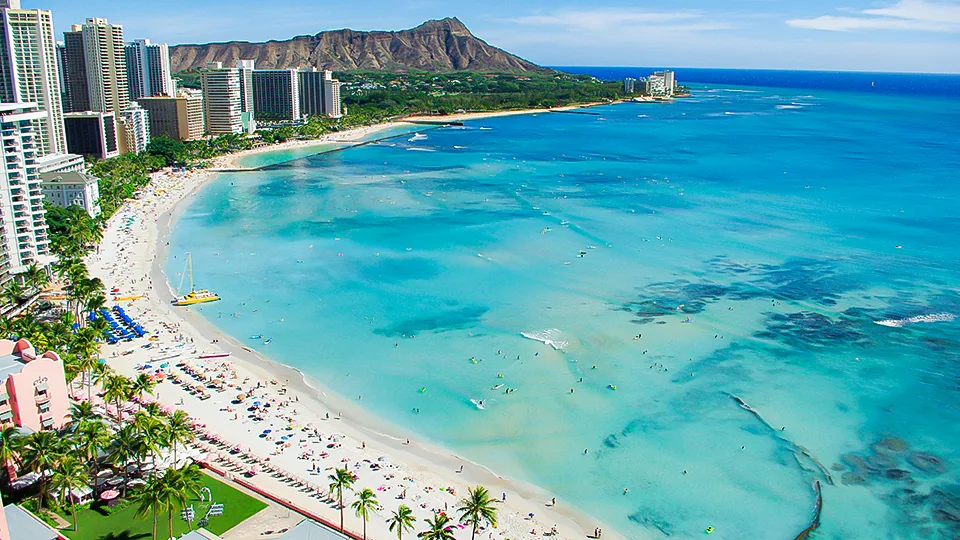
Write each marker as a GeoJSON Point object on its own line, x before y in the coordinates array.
{"type": "Point", "coordinates": [782, 224]}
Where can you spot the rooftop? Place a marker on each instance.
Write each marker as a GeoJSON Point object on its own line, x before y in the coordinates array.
{"type": "Point", "coordinates": [24, 526]}
{"type": "Point", "coordinates": [72, 178]}
{"type": "Point", "coordinates": [10, 365]}
{"type": "Point", "coordinates": [311, 530]}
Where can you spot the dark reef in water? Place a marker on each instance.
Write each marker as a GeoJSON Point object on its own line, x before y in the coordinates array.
{"type": "Point", "coordinates": [457, 319]}
{"type": "Point", "coordinates": [807, 329]}
{"type": "Point", "coordinates": [905, 480]}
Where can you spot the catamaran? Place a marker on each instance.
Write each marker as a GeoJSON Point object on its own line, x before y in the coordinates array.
{"type": "Point", "coordinates": [195, 296]}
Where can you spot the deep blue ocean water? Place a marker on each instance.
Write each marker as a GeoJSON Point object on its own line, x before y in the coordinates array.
{"type": "Point", "coordinates": [743, 243]}
{"type": "Point", "coordinates": [907, 84]}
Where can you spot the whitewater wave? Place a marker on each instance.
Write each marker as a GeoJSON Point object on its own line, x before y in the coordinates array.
{"type": "Point", "coordinates": [782, 107]}
{"type": "Point", "coordinates": [417, 137]}
{"type": "Point", "coordinates": [551, 336]}
{"type": "Point", "coordinates": [934, 317]}
{"type": "Point", "coordinates": [418, 149]}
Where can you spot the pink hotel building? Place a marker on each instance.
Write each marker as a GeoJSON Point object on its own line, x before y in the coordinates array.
{"type": "Point", "coordinates": [33, 389]}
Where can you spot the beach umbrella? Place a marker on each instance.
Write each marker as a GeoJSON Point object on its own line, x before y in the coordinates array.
{"type": "Point", "coordinates": [109, 495]}
{"type": "Point", "coordinates": [266, 431]}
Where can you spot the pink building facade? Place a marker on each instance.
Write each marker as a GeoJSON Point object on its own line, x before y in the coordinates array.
{"type": "Point", "coordinates": [33, 393]}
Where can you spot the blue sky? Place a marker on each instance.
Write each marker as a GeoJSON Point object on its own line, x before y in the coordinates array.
{"type": "Point", "coordinates": [867, 35]}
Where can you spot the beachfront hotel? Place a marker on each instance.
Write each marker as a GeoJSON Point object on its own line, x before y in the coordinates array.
{"type": "Point", "coordinates": [133, 129]}
{"type": "Point", "coordinates": [148, 69]}
{"type": "Point", "coordinates": [72, 59]}
{"type": "Point", "coordinates": [276, 94]}
{"type": "Point", "coordinates": [23, 228]}
{"type": "Point", "coordinates": [33, 393]}
{"type": "Point", "coordinates": [28, 70]}
{"type": "Point", "coordinates": [319, 92]}
{"type": "Point", "coordinates": [221, 99]}
{"type": "Point", "coordinates": [72, 188]}
{"type": "Point", "coordinates": [92, 134]}
{"type": "Point", "coordinates": [179, 118]}
{"type": "Point", "coordinates": [105, 67]}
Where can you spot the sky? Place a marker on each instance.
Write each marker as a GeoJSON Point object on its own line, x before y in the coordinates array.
{"type": "Point", "coordinates": [857, 35]}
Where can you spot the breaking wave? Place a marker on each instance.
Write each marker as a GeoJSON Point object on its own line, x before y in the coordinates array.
{"type": "Point", "coordinates": [551, 336]}
{"type": "Point", "coordinates": [935, 317]}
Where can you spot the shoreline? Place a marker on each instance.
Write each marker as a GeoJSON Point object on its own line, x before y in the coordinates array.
{"type": "Point", "coordinates": [161, 205]}
{"type": "Point", "coordinates": [358, 135]}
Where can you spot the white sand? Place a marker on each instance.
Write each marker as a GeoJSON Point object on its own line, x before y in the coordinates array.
{"type": "Point", "coordinates": [129, 259]}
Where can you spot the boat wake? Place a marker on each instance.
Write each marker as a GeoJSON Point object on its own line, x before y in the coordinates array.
{"type": "Point", "coordinates": [552, 337]}
{"type": "Point", "coordinates": [934, 317]}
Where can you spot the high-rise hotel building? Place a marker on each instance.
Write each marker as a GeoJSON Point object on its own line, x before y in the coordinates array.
{"type": "Point", "coordinates": [148, 69]}
{"type": "Point", "coordinates": [23, 228]}
{"type": "Point", "coordinates": [29, 73]}
{"type": "Point", "coordinates": [106, 66]}
{"type": "Point", "coordinates": [221, 99]}
{"type": "Point", "coordinates": [276, 94]}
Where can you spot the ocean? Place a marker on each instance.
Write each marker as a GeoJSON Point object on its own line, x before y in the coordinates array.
{"type": "Point", "coordinates": [713, 304]}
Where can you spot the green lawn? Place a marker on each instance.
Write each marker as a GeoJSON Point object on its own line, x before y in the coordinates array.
{"type": "Point", "coordinates": [122, 525]}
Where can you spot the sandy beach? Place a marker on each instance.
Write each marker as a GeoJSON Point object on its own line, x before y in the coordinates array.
{"type": "Point", "coordinates": [312, 430]}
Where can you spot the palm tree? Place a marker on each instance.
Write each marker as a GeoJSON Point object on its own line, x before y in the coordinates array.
{"type": "Point", "coordinates": [81, 413]}
{"type": "Point", "coordinates": [179, 431]}
{"type": "Point", "coordinates": [127, 447]}
{"type": "Point", "coordinates": [35, 277]}
{"type": "Point", "coordinates": [153, 409]}
{"type": "Point", "coordinates": [477, 506]}
{"type": "Point", "coordinates": [365, 505]}
{"type": "Point", "coordinates": [68, 475]}
{"type": "Point", "coordinates": [13, 293]}
{"type": "Point", "coordinates": [150, 500]}
{"type": "Point", "coordinates": [41, 451]}
{"type": "Point", "coordinates": [402, 520]}
{"type": "Point", "coordinates": [11, 443]}
{"type": "Point", "coordinates": [84, 348]}
{"type": "Point", "coordinates": [439, 529]}
{"type": "Point", "coordinates": [143, 384]}
{"type": "Point", "coordinates": [118, 389]}
{"type": "Point", "coordinates": [93, 437]}
{"type": "Point", "coordinates": [177, 485]}
{"type": "Point", "coordinates": [339, 481]}
{"type": "Point", "coordinates": [153, 435]}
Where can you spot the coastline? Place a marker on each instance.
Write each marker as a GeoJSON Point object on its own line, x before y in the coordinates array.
{"type": "Point", "coordinates": [358, 135]}
{"type": "Point", "coordinates": [364, 436]}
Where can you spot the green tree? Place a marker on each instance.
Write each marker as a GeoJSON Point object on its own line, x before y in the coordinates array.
{"type": "Point", "coordinates": [150, 500]}
{"type": "Point", "coordinates": [341, 480]}
{"type": "Point", "coordinates": [438, 528]}
{"type": "Point", "coordinates": [93, 437]}
{"type": "Point", "coordinates": [402, 520]}
{"type": "Point", "coordinates": [365, 505]}
{"type": "Point", "coordinates": [41, 451]}
{"type": "Point", "coordinates": [127, 447]}
{"type": "Point", "coordinates": [11, 443]}
{"type": "Point", "coordinates": [143, 384]}
{"type": "Point", "coordinates": [179, 430]}
{"type": "Point", "coordinates": [69, 474]}
{"type": "Point", "coordinates": [117, 388]}
{"type": "Point", "coordinates": [477, 506]}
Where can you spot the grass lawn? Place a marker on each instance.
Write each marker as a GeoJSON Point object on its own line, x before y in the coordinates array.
{"type": "Point", "coordinates": [122, 525]}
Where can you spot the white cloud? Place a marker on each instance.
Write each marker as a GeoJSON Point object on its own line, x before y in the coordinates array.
{"type": "Point", "coordinates": [913, 15]}
{"type": "Point", "coordinates": [606, 20]}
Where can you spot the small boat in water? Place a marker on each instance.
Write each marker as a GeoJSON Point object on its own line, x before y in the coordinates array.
{"type": "Point", "coordinates": [258, 336]}
{"type": "Point", "coordinates": [267, 342]}
{"type": "Point", "coordinates": [195, 296]}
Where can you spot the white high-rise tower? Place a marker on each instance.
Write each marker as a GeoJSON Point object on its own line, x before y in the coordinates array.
{"type": "Point", "coordinates": [29, 72]}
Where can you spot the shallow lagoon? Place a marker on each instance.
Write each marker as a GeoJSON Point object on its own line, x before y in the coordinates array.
{"type": "Point", "coordinates": [781, 224]}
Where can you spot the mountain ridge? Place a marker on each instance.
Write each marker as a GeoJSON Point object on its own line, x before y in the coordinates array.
{"type": "Point", "coordinates": [438, 45]}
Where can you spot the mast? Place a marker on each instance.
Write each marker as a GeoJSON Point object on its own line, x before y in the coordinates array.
{"type": "Point", "coordinates": [190, 259]}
